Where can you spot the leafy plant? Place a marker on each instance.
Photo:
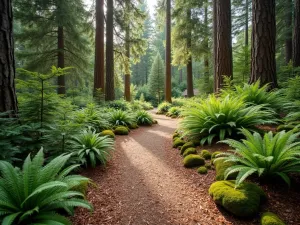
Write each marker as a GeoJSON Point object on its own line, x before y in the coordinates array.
{"type": "Point", "coordinates": [222, 118]}
{"type": "Point", "coordinates": [35, 194]}
{"type": "Point", "coordinates": [174, 112]}
{"type": "Point", "coordinates": [90, 147]}
{"type": "Point", "coordinates": [119, 105]}
{"type": "Point", "coordinates": [267, 156]}
{"type": "Point", "coordinates": [119, 117]}
{"type": "Point", "coordinates": [291, 122]}
{"type": "Point", "coordinates": [164, 107]}
{"type": "Point", "coordinates": [144, 118]}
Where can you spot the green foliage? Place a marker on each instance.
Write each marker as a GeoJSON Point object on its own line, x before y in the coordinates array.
{"type": "Point", "coordinates": [177, 142]}
{"type": "Point", "coordinates": [222, 118]}
{"type": "Point", "coordinates": [36, 194]}
{"type": "Point", "coordinates": [157, 81]}
{"type": "Point", "coordinates": [193, 160]}
{"type": "Point", "coordinates": [174, 112]}
{"type": "Point", "coordinates": [119, 117]}
{"type": "Point", "coordinates": [221, 166]}
{"type": "Point", "coordinates": [119, 105]}
{"type": "Point", "coordinates": [269, 218]}
{"type": "Point", "coordinates": [91, 148]}
{"type": "Point", "coordinates": [121, 130]}
{"type": "Point", "coordinates": [202, 170]}
{"type": "Point", "coordinates": [243, 201]}
{"type": "Point", "coordinates": [189, 151]}
{"type": "Point", "coordinates": [186, 146]}
{"type": "Point", "coordinates": [108, 133]}
{"type": "Point", "coordinates": [215, 154]}
{"type": "Point", "coordinates": [163, 107]}
{"type": "Point", "coordinates": [205, 154]}
{"type": "Point", "coordinates": [144, 118]}
{"type": "Point", "coordinates": [208, 166]}
{"type": "Point", "coordinates": [267, 156]}
{"type": "Point", "coordinates": [292, 89]}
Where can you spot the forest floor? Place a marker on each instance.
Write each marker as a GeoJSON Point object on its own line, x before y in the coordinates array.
{"type": "Point", "coordinates": [145, 183]}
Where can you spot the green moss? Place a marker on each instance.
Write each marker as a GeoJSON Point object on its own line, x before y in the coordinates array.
{"type": "Point", "coordinates": [214, 155]}
{"type": "Point", "coordinates": [243, 201]}
{"type": "Point", "coordinates": [155, 122]}
{"type": "Point", "coordinates": [109, 133]}
{"type": "Point", "coordinates": [176, 135]}
{"type": "Point", "coordinates": [178, 142]}
{"type": "Point", "coordinates": [202, 170]}
{"type": "Point", "coordinates": [189, 151]}
{"type": "Point", "coordinates": [205, 154]}
{"type": "Point", "coordinates": [133, 126]}
{"type": "Point", "coordinates": [193, 161]}
{"type": "Point", "coordinates": [221, 167]}
{"type": "Point", "coordinates": [121, 130]}
{"type": "Point", "coordinates": [269, 218]}
{"type": "Point", "coordinates": [186, 146]}
{"type": "Point", "coordinates": [174, 116]}
{"type": "Point", "coordinates": [208, 166]}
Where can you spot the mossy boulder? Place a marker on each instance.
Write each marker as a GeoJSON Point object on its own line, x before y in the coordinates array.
{"type": "Point", "coordinates": [214, 155]}
{"type": "Point", "coordinates": [133, 126]}
{"type": "Point", "coordinates": [189, 151]}
{"type": "Point", "coordinates": [109, 133]}
{"type": "Point", "coordinates": [155, 122]}
{"type": "Point", "coordinates": [221, 166]}
{"type": "Point", "coordinates": [176, 135]}
{"type": "Point", "coordinates": [202, 170]}
{"type": "Point", "coordinates": [121, 130]}
{"type": "Point", "coordinates": [193, 161]}
{"type": "Point", "coordinates": [243, 201]}
{"type": "Point", "coordinates": [178, 143]}
{"type": "Point", "coordinates": [206, 154]}
{"type": "Point", "coordinates": [269, 218]}
{"type": "Point", "coordinates": [186, 146]}
{"type": "Point", "coordinates": [208, 166]}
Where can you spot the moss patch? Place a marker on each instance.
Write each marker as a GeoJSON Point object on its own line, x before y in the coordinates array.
{"type": "Point", "coordinates": [202, 170]}
{"type": "Point", "coordinates": [109, 133]}
{"type": "Point", "coordinates": [193, 161]}
{"type": "Point", "coordinates": [205, 154]}
{"type": "Point", "coordinates": [178, 142]}
{"type": "Point", "coordinates": [189, 151]}
{"type": "Point", "coordinates": [213, 156]}
{"type": "Point", "coordinates": [186, 146]}
{"type": "Point", "coordinates": [134, 126]}
{"type": "Point", "coordinates": [243, 201]}
{"type": "Point", "coordinates": [208, 166]}
{"type": "Point", "coordinates": [121, 130]}
{"type": "Point", "coordinates": [269, 218]}
{"type": "Point", "coordinates": [221, 166]}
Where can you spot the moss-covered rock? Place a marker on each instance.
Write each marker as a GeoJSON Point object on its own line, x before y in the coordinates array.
{"type": "Point", "coordinates": [189, 151]}
{"type": "Point", "coordinates": [193, 161]}
{"type": "Point", "coordinates": [155, 122]}
{"type": "Point", "coordinates": [213, 155]}
{"type": "Point", "coordinates": [121, 130]}
{"type": "Point", "coordinates": [208, 166]}
{"type": "Point", "coordinates": [133, 126]}
{"type": "Point", "coordinates": [206, 154]}
{"type": "Point", "coordinates": [186, 146]}
{"type": "Point", "coordinates": [178, 142]}
{"type": "Point", "coordinates": [202, 170]}
{"type": "Point", "coordinates": [109, 133]}
{"type": "Point", "coordinates": [243, 201]}
{"type": "Point", "coordinates": [176, 135]}
{"type": "Point", "coordinates": [269, 218]}
{"type": "Point", "coordinates": [221, 166]}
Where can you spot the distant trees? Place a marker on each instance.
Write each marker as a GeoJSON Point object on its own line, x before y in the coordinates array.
{"type": "Point", "coordinates": [296, 42]}
{"type": "Point", "coordinates": [8, 99]}
{"type": "Point", "coordinates": [157, 77]}
{"type": "Point", "coordinates": [168, 79]}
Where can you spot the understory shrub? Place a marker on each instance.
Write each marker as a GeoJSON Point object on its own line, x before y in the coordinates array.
{"type": "Point", "coordinates": [267, 156]}
{"type": "Point", "coordinates": [37, 194]}
{"type": "Point", "coordinates": [269, 218]}
{"type": "Point", "coordinates": [178, 143]}
{"type": "Point", "coordinates": [189, 151]}
{"type": "Point", "coordinates": [186, 146]}
{"type": "Point", "coordinates": [291, 122]}
{"type": "Point", "coordinates": [144, 105]}
{"type": "Point", "coordinates": [133, 126]}
{"type": "Point", "coordinates": [163, 107]}
{"type": "Point", "coordinates": [121, 118]}
{"type": "Point", "coordinates": [174, 112]}
{"type": "Point", "coordinates": [222, 118]}
{"type": "Point", "coordinates": [202, 170]}
{"type": "Point", "coordinates": [193, 161]}
{"type": "Point", "coordinates": [90, 147]}
{"type": "Point", "coordinates": [205, 154]}
{"type": "Point", "coordinates": [121, 130]}
{"type": "Point", "coordinates": [119, 105]}
{"type": "Point", "coordinates": [143, 118]}
{"type": "Point", "coordinates": [243, 201]}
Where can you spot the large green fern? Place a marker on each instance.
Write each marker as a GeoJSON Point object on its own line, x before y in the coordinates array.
{"type": "Point", "coordinates": [35, 194]}
{"type": "Point", "coordinates": [144, 118]}
{"type": "Point", "coordinates": [121, 118]}
{"type": "Point", "coordinates": [267, 156]}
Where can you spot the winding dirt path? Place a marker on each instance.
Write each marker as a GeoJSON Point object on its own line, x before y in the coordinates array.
{"type": "Point", "coordinates": [145, 183]}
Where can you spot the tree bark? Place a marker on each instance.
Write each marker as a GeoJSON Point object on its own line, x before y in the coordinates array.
{"type": "Point", "coordinates": [206, 61]}
{"type": "Point", "coordinates": [215, 43]}
{"type": "Point", "coordinates": [263, 43]}
{"type": "Point", "coordinates": [99, 82]}
{"type": "Point", "coordinates": [189, 66]}
{"type": "Point", "coordinates": [168, 85]}
{"type": "Point", "coordinates": [127, 75]}
{"type": "Point", "coordinates": [223, 42]}
{"type": "Point", "coordinates": [8, 99]}
{"type": "Point", "coordinates": [61, 60]}
{"type": "Point", "coordinates": [246, 40]}
{"type": "Point", "coordinates": [289, 32]}
{"type": "Point", "coordinates": [296, 42]}
{"type": "Point", "coordinates": [110, 86]}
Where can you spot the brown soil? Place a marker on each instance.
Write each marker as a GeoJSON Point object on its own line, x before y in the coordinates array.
{"type": "Point", "coordinates": [145, 183]}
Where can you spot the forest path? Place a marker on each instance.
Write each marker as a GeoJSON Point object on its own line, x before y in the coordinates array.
{"type": "Point", "coordinates": [145, 183]}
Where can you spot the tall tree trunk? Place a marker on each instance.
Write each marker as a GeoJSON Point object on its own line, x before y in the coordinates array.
{"type": "Point", "coordinates": [246, 39]}
{"type": "Point", "coordinates": [127, 75]}
{"type": "Point", "coordinates": [189, 66]}
{"type": "Point", "coordinates": [215, 43]}
{"type": "Point", "coordinates": [110, 85]}
{"type": "Point", "coordinates": [8, 99]}
{"type": "Point", "coordinates": [61, 82]}
{"type": "Point", "coordinates": [99, 48]}
{"type": "Point", "coordinates": [296, 44]}
{"type": "Point", "coordinates": [289, 31]}
{"type": "Point", "coordinates": [168, 85]}
{"type": "Point", "coordinates": [224, 42]}
{"type": "Point", "coordinates": [263, 43]}
{"type": "Point", "coordinates": [206, 61]}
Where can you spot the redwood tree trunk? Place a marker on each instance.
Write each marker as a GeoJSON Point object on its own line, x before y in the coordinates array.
{"type": "Point", "coordinates": [206, 61]}
{"type": "Point", "coordinates": [289, 33]}
{"type": "Point", "coordinates": [99, 48]}
{"type": "Point", "coordinates": [296, 44]}
{"type": "Point", "coordinates": [110, 86]}
{"type": "Point", "coordinates": [61, 61]}
{"type": "Point", "coordinates": [263, 43]}
{"type": "Point", "coordinates": [8, 99]}
{"type": "Point", "coordinates": [223, 43]}
{"type": "Point", "coordinates": [127, 75]}
{"type": "Point", "coordinates": [168, 85]}
{"type": "Point", "coordinates": [189, 66]}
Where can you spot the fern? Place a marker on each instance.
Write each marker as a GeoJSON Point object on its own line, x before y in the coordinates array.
{"type": "Point", "coordinates": [144, 118]}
